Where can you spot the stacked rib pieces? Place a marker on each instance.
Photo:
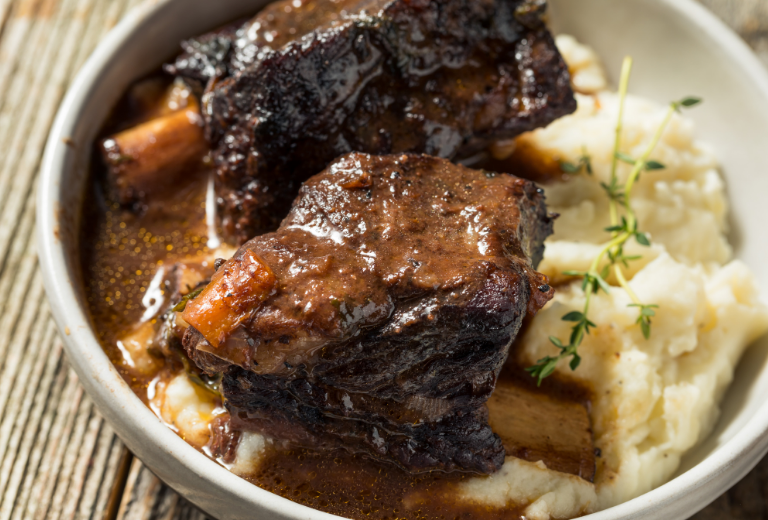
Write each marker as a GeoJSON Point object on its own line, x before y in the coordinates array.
{"type": "Point", "coordinates": [376, 318]}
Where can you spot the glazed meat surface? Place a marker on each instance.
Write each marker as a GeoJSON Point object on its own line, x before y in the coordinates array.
{"type": "Point", "coordinates": [377, 317]}
{"type": "Point", "coordinates": [299, 86]}
{"type": "Point", "coordinates": [231, 49]}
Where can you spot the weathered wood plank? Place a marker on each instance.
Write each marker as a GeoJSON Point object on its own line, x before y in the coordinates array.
{"type": "Point", "coordinates": [107, 469]}
{"type": "Point", "coordinates": [748, 17]}
{"type": "Point", "coordinates": [20, 415]}
{"type": "Point", "coordinates": [58, 459]}
{"type": "Point", "coordinates": [147, 498]}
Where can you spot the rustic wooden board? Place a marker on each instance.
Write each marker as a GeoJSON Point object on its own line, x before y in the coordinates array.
{"type": "Point", "coordinates": [58, 458]}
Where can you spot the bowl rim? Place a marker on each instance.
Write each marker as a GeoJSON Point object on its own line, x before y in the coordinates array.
{"type": "Point", "coordinates": [166, 453]}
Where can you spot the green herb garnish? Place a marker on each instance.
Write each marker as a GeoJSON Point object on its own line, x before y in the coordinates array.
{"type": "Point", "coordinates": [584, 163]}
{"type": "Point", "coordinates": [622, 229]}
{"type": "Point", "coordinates": [179, 307]}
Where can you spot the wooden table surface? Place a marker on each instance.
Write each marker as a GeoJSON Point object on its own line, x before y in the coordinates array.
{"type": "Point", "coordinates": [58, 458]}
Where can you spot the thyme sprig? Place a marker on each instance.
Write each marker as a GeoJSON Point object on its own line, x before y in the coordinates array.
{"type": "Point", "coordinates": [623, 228]}
{"type": "Point", "coordinates": [179, 307]}
{"type": "Point", "coordinates": [649, 166]}
{"type": "Point", "coordinates": [644, 318]}
{"type": "Point", "coordinates": [584, 163]}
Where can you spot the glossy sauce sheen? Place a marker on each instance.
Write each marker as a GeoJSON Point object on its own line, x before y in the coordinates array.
{"type": "Point", "coordinates": [402, 281]}
{"type": "Point", "coordinates": [356, 487]}
{"type": "Point", "coordinates": [443, 78]}
{"type": "Point", "coordinates": [372, 234]}
{"type": "Point", "coordinates": [121, 253]}
{"type": "Point", "coordinates": [339, 483]}
{"type": "Point", "coordinates": [122, 250]}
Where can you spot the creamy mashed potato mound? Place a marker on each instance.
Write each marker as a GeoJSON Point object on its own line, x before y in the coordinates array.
{"type": "Point", "coordinates": [189, 410]}
{"type": "Point", "coordinates": [249, 453]}
{"type": "Point", "coordinates": [654, 399]}
{"type": "Point", "coordinates": [186, 408]}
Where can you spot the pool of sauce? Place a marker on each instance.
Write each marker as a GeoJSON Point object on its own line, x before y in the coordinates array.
{"type": "Point", "coordinates": [121, 250]}
{"type": "Point", "coordinates": [357, 487]}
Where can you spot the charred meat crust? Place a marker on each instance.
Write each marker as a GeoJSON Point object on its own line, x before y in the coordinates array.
{"type": "Point", "coordinates": [401, 283]}
{"type": "Point", "coordinates": [441, 77]}
{"type": "Point", "coordinates": [298, 411]}
{"type": "Point", "coordinates": [230, 49]}
{"type": "Point", "coordinates": [207, 57]}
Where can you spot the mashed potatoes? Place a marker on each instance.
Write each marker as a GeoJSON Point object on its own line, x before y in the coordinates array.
{"type": "Point", "coordinates": [655, 398]}
{"type": "Point", "coordinates": [189, 409]}
{"type": "Point", "coordinates": [186, 408]}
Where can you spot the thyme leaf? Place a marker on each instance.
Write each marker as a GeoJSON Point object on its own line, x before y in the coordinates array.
{"type": "Point", "coordinates": [642, 239]}
{"type": "Point", "coordinates": [687, 102]}
{"type": "Point", "coordinates": [648, 165]}
{"type": "Point", "coordinates": [568, 167]}
{"type": "Point", "coordinates": [179, 307]}
{"type": "Point", "coordinates": [584, 163]}
{"type": "Point", "coordinates": [644, 318]}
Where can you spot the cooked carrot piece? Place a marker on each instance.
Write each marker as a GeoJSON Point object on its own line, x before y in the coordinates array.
{"type": "Point", "coordinates": [236, 290]}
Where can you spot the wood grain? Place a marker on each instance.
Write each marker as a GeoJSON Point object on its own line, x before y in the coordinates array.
{"type": "Point", "coordinates": [58, 458]}
{"type": "Point", "coordinates": [747, 17]}
{"type": "Point", "coordinates": [147, 498]}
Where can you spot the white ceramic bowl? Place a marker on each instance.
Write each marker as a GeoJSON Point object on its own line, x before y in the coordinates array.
{"type": "Point", "coordinates": [679, 49]}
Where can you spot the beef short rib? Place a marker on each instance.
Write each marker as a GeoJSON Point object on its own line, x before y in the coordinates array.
{"type": "Point", "coordinates": [379, 314]}
{"type": "Point", "coordinates": [299, 86]}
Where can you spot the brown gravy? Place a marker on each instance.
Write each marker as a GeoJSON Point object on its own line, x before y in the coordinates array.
{"type": "Point", "coordinates": [122, 250]}
{"type": "Point", "coordinates": [356, 487]}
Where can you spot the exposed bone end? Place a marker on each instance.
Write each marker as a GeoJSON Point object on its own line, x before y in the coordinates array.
{"type": "Point", "coordinates": [538, 427]}
{"type": "Point", "coordinates": [150, 159]}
